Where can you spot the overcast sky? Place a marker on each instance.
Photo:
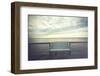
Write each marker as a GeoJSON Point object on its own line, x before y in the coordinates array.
{"type": "Point", "coordinates": [57, 26]}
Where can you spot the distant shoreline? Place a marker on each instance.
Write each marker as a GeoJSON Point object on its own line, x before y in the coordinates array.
{"type": "Point", "coordinates": [44, 40]}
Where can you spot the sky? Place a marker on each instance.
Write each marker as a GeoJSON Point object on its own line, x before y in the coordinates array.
{"type": "Point", "coordinates": [57, 26]}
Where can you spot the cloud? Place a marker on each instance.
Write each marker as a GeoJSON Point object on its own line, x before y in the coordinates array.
{"type": "Point", "coordinates": [54, 26]}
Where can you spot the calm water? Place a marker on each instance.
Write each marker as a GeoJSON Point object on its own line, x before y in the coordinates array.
{"type": "Point", "coordinates": [42, 51]}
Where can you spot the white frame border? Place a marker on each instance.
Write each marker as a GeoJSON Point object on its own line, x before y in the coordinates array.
{"type": "Point", "coordinates": [25, 64]}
